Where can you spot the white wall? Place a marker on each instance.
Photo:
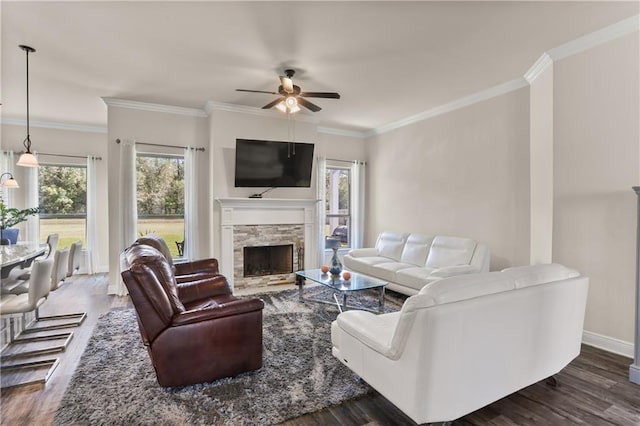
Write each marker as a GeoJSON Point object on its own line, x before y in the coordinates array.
{"type": "Point", "coordinates": [69, 142]}
{"type": "Point", "coordinates": [541, 165]}
{"type": "Point", "coordinates": [596, 151]}
{"type": "Point", "coordinates": [158, 128]}
{"type": "Point", "coordinates": [227, 126]}
{"type": "Point", "coordinates": [463, 173]}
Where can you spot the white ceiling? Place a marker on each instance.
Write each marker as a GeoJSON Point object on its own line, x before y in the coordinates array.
{"type": "Point", "coordinates": [388, 60]}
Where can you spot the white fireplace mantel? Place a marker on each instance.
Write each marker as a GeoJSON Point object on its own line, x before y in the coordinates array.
{"type": "Point", "coordinates": [264, 211]}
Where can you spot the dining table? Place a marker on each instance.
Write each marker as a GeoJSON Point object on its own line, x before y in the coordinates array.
{"type": "Point", "coordinates": [20, 254]}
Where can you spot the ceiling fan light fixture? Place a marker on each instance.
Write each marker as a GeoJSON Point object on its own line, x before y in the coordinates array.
{"type": "Point", "coordinates": [294, 109]}
{"type": "Point", "coordinates": [291, 102]}
{"type": "Point", "coordinates": [281, 106]}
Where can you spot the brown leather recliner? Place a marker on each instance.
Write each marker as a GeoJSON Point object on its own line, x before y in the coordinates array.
{"type": "Point", "coordinates": [194, 332]}
{"type": "Point", "coordinates": [184, 271]}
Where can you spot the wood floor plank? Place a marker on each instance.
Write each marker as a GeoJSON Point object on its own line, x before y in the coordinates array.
{"type": "Point", "coordinates": [594, 389]}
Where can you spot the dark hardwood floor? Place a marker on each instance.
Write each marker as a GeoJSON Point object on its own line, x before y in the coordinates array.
{"type": "Point", "coordinates": [593, 390]}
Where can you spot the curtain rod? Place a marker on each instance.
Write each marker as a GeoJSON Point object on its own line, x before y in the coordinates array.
{"type": "Point", "coordinates": [67, 155]}
{"type": "Point", "coordinates": [159, 144]}
{"type": "Point", "coordinates": [347, 161]}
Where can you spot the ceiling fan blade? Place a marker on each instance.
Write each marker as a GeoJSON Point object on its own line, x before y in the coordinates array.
{"type": "Point", "coordinates": [272, 104]}
{"type": "Point", "coordinates": [255, 91]}
{"type": "Point", "coordinates": [329, 95]}
{"type": "Point", "coordinates": [287, 84]}
{"type": "Point", "coordinates": [305, 103]}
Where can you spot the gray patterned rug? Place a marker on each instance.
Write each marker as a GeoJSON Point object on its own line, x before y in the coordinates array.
{"type": "Point", "coordinates": [114, 383]}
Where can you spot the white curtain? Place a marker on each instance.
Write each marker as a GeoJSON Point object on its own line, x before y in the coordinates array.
{"type": "Point", "coordinates": [190, 203]}
{"type": "Point", "coordinates": [128, 202]}
{"type": "Point", "coordinates": [357, 203]}
{"type": "Point", "coordinates": [6, 165]}
{"type": "Point", "coordinates": [321, 183]}
{"type": "Point", "coordinates": [32, 228]}
{"type": "Point", "coordinates": [92, 238]}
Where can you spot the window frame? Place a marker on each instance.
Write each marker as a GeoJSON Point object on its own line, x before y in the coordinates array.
{"type": "Point", "coordinates": [45, 216]}
{"type": "Point", "coordinates": [348, 216]}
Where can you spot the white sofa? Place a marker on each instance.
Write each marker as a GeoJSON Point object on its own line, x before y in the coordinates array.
{"type": "Point", "coordinates": [411, 261]}
{"type": "Point", "coordinates": [467, 341]}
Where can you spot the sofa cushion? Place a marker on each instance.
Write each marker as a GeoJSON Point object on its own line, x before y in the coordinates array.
{"type": "Point", "coordinates": [363, 265]}
{"type": "Point", "coordinates": [525, 276]}
{"type": "Point", "coordinates": [464, 287]}
{"type": "Point", "coordinates": [416, 249]}
{"type": "Point", "coordinates": [390, 244]}
{"type": "Point", "coordinates": [387, 270]}
{"type": "Point", "coordinates": [415, 277]}
{"type": "Point", "coordinates": [450, 251]}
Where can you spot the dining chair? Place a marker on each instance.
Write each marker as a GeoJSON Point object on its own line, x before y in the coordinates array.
{"type": "Point", "coordinates": [13, 306]}
{"type": "Point", "coordinates": [56, 277]}
{"type": "Point", "coordinates": [52, 244]}
{"type": "Point", "coordinates": [74, 257]}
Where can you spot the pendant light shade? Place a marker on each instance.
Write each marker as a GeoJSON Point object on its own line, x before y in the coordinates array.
{"type": "Point", "coordinates": [10, 182]}
{"type": "Point", "coordinates": [27, 159]}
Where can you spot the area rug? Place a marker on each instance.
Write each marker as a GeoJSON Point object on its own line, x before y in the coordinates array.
{"type": "Point", "coordinates": [114, 383]}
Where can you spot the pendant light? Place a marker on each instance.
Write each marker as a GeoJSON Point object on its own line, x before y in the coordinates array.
{"type": "Point", "coordinates": [27, 159]}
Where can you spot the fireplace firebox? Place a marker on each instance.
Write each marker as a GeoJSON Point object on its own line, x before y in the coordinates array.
{"type": "Point", "coordinates": [268, 260]}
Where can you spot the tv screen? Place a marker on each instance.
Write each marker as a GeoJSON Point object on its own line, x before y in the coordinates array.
{"type": "Point", "coordinates": [273, 164]}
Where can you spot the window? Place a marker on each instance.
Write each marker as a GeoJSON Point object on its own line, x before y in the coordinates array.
{"type": "Point", "coordinates": [160, 192]}
{"type": "Point", "coordinates": [337, 210]}
{"type": "Point", "coordinates": [63, 201]}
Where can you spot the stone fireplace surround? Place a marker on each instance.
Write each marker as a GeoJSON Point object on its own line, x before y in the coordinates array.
{"type": "Point", "coordinates": [264, 221]}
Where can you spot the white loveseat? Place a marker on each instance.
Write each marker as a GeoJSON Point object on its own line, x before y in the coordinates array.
{"type": "Point", "coordinates": [467, 341]}
{"type": "Point", "coordinates": [411, 261]}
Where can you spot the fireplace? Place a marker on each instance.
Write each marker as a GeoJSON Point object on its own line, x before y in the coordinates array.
{"type": "Point", "coordinates": [268, 260]}
{"type": "Point", "coordinates": [249, 222]}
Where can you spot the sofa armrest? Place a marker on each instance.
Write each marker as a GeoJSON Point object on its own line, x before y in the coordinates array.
{"type": "Point", "coordinates": [197, 266]}
{"type": "Point", "coordinates": [374, 331]}
{"type": "Point", "coordinates": [236, 307]}
{"type": "Point", "coordinates": [450, 271]}
{"type": "Point", "coordinates": [364, 252]}
{"type": "Point", "coordinates": [203, 288]}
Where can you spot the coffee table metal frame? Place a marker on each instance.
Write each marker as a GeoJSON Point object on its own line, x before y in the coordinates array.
{"type": "Point", "coordinates": [356, 282]}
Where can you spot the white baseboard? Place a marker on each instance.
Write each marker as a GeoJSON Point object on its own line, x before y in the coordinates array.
{"type": "Point", "coordinates": [607, 343]}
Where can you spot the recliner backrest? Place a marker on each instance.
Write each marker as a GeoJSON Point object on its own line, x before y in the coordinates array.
{"type": "Point", "coordinates": [158, 243]}
{"type": "Point", "coordinates": [416, 249]}
{"type": "Point", "coordinates": [450, 251]}
{"type": "Point", "coordinates": [152, 288]}
{"type": "Point", "coordinates": [390, 244]}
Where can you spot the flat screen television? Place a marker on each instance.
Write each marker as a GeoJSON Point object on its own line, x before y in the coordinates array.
{"type": "Point", "coordinates": [261, 163]}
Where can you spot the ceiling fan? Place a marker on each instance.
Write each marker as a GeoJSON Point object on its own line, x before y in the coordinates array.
{"type": "Point", "coordinates": [293, 96]}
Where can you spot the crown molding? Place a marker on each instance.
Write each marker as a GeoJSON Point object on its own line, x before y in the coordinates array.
{"type": "Point", "coordinates": [53, 125]}
{"type": "Point", "coordinates": [145, 106]}
{"type": "Point", "coordinates": [483, 95]}
{"type": "Point", "coordinates": [543, 62]}
{"type": "Point", "coordinates": [211, 106]}
{"type": "Point", "coordinates": [596, 38]}
{"type": "Point", "coordinates": [342, 132]}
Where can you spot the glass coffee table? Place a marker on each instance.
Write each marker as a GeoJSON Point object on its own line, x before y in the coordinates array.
{"type": "Point", "coordinates": [356, 282]}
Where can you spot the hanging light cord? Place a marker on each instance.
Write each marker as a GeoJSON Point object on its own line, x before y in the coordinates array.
{"type": "Point", "coordinates": [27, 140]}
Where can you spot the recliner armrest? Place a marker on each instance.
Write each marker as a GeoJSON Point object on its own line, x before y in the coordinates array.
{"type": "Point", "coordinates": [236, 307]}
{"type": "Point", "coordinates": [364, 252]}
{"type": "Point", "coordinates": [203, 288]}
{"type": "Point", "coordinates": [374, 331]}
{"type": "Point", "coordinates": [450, 271]}
{"type": "Point", "coordinates": [196, 266]}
